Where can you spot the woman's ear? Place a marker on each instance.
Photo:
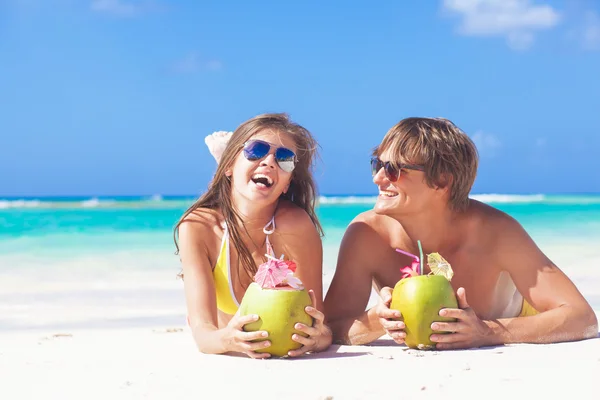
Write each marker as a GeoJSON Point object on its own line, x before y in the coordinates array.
{"type": "Point", "coordinates": [228, 173]}
{"type": "Point", "coordinates": [287, 187]}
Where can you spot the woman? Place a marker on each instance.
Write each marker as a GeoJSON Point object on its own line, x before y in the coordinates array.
{"type": "Point", "coordinates": [260, 201]}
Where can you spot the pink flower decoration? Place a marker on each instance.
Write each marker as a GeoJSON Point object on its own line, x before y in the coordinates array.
{"type": "Point", "coordinates": [277, 273]}
{"type": "Point", "coordinates": [291, 265]}
{"type": "Point", "coordinates": [410, 271]}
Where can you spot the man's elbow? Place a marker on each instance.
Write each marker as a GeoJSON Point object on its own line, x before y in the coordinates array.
{"type": "Point", "coordinates": [591, 325]}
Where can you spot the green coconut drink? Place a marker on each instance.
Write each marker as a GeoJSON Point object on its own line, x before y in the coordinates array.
{"type": "Point", "coordinates": [279, 299]}
{"type": "Point", "coordinates": [421, 297]}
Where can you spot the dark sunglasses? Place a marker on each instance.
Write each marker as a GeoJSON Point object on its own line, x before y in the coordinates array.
{"type": "Point", "coordinates": [257, 149]}
{"type": "Point", "coordinates": [391, 172]}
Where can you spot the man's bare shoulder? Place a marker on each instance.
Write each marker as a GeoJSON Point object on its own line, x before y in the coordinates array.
{"type": "Point", "coordinates": [494, 224]}
{"type": "Point", "coordinates": [369, 225]}
{"type": "Point", "coordinates": [491, 216]}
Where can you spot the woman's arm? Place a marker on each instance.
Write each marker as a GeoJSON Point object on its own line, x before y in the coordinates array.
{"type": "Point", "coordinates": [301, 242]}
{"type": "Point", "coordinates": [201, 301]}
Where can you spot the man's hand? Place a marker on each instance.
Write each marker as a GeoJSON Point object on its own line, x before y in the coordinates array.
{"type": "Point", "coordinates": [467, 332]}
{"type": "Point", "coordinates": [395, 329]}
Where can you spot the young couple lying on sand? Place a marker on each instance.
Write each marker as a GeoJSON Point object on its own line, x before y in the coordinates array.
{"type": "Point", "coordinates": [261, 200]}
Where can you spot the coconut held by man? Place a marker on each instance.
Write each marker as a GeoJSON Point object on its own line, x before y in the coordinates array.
{"type": "Point", "coordinates": [419, 298]}
{"type": "Point", "coordinates": [279, 299]}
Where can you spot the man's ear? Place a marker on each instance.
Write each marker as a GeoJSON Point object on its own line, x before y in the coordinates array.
{"type": "Point", "coordinates": [445, 182]}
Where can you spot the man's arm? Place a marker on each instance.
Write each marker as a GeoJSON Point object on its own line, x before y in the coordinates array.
{"type": "Point", "coordinates": [564, 314]}
{"type": "Point", "coordinates": [350, 288]}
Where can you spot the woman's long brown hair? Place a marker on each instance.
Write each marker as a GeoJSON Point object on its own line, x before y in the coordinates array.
{"type": "Point", "coordinates": [302, 189]}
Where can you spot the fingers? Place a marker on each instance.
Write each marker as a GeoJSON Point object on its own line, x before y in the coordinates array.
{"type": "Point", "coordinates": [252, 346]}
{"type": "Point", "coordinates": [309, 330]}
{"type": "Point", "coordinates": [313, 298]}
{"type": "Point", "coordinates": [256, 355]}
{"type": "Point", "coordinates": [387, 313]}
{"type": "Point", "coordinates": [246, 319]}
{"type": "Point", "coordinates": [448, 337]}
{"type": "Point", "coordinates": [392, 325]}
{"type": "Point", "coordinates": [251, 336]}
{"type": "Point", "coordinates": [461, 295]}
{"type": "Point", "coordinates": [398, 336]}
{"type": "Point", "coordinates": [452, 346]}
{"type": "Point", "coordinates": [451, 327]}
{"type": "Point", "coordinates": [316, 314]}
{"type": "Point", "coordinates": [298, 352]}
{"type": "Point", "coordinates": [386, 295]}
{"type": "Point", "coordinates": [454, 313]}
{"type": "Point", "coordinates": [308, 342]}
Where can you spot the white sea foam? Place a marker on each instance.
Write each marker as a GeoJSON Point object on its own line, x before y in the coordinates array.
{"type": "Point", "coordinates": [159, 200]}
{"type": "Point", "coordinates": [509, 198]}
{"type": "Point", "coordinates": [19, 204]}
{"type": "Point", "coordinates": [347, 199]}
{"type": "Point", "coordinates": [490, 198]}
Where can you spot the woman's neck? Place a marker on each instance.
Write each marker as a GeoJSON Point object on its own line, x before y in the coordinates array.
{"type": "Point", "coordinates": [253, 219]}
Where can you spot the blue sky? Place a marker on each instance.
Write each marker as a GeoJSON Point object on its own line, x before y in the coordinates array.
{"type": "Point", "coordinates": [115, 97]}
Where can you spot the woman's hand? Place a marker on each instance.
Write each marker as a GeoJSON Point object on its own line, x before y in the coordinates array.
{"type": "Point", "coordinates": [395, 329]}
{"type": "Point", "coordinates": [467, 332]}
{"type": "Point", "coordinates": [319, 335]}
{"type": "Point", "coordinates": [235, 339]}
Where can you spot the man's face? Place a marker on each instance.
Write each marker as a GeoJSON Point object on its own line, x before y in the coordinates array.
{"type": "Point", "coordinates": [409, 194]}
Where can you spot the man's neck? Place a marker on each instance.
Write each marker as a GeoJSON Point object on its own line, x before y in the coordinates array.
{"type": "Point", "coordinates": [436, 229]}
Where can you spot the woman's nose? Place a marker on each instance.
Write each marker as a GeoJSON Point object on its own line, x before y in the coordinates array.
{"type": "Point", "coordinates": [269, 160]}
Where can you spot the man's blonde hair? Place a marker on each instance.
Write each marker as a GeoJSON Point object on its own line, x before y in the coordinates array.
{"type": "Point", "coordinates": [448, 155]}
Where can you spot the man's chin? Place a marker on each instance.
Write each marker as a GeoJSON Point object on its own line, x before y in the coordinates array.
{"type": "Point", "coordinates": [382, 209]}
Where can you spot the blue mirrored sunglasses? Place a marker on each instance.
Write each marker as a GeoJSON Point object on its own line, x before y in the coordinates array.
{"type": "Point", "coordinates": [257, 149]}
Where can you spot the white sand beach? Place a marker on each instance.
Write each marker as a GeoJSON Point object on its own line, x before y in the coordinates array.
{"type": "Point", "coordinates": [81, 323]}
{"type": "Point", "coordinates": [162, 363]}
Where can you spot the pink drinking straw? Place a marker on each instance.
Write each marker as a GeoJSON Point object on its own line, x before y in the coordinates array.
{"type": "Point", "coordinates": [413, 256]}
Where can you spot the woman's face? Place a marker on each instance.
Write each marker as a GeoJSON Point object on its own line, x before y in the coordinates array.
{"type": "Point", "coordinates": [263, 180]}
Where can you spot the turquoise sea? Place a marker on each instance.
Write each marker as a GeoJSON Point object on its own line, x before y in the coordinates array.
{"type": "Point", "coordinates": [68, 263]}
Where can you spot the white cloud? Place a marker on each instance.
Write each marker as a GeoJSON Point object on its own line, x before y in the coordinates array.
{"type": "Point", "coordinates": [122, 8]}
{"type": "Point", "coordinates": [486, 143]}
{"type": "Point", "coordinates": [193, 63]}
{"type": "Point", "coordinates": [591, 31]}
{"type": "Point", "coordinates": [516, 20]}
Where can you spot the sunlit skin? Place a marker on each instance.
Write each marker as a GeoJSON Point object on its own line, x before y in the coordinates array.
{"type": "Point", "coordinates": [295, 236]}
{"type": "Point", "coordinates": [485, 247]}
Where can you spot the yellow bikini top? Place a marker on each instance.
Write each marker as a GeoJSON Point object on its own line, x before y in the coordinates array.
{"type": "Point", "coordinates": [226, 301]}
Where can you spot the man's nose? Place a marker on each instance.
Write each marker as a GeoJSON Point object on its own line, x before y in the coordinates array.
{"type": "Point", "coordinates": [379, 177]}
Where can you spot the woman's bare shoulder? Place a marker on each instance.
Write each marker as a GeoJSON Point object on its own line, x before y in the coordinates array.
{"type": "Point", "coordinates": [290, 217]}
{"type": "Point", "coordinates": [201, 223]}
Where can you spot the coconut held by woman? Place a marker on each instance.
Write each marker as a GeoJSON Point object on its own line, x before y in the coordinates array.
{"type": "Point", "coordinates": [420, 297]}
{"type": "Point", "coordinates": [279, 299]}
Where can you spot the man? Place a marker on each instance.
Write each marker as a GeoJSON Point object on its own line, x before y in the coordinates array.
{"type": "Point", "coordinates": [508, 291]}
